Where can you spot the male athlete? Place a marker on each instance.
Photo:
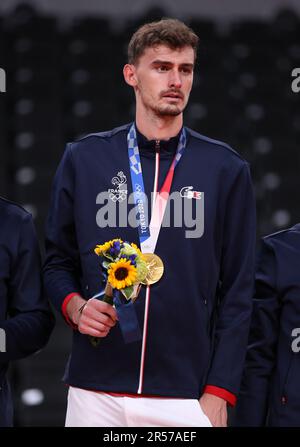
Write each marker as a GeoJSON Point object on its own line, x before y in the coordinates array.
{"type": "Point", "coordinates": [270, 390]}
{"type": "Point", "coordinates": [26, 320]}
{"type": "Point", "coordinates": [186, 366]}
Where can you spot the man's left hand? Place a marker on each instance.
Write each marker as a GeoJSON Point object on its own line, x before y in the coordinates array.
{"type": "Point", "coordinates": [215, 408]}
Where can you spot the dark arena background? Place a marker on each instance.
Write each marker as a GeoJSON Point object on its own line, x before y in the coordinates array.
{"type": "Point", "coordinates": [63, 62]}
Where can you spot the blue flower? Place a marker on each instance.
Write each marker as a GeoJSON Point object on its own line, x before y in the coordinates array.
{"type": "Point", "coordinates": [132, 259]}
{"type": "Point", "coordinates": [115, 248]}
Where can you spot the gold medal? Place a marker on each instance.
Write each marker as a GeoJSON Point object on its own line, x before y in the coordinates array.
{"type": "Point", "coordinates": [155, 268]}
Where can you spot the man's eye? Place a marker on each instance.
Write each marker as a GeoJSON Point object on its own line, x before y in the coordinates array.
{"type": "Point", "coordinates": [162, 68]}
{"type": "Point", "coordinates": [186, 71]}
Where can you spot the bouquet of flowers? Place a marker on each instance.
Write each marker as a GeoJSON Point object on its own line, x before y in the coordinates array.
{"type": "Point", "coordinates": [126, 268]}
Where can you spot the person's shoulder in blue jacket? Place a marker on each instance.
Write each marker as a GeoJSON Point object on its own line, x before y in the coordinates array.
{"type": "Point", "coordinates": [26, 320]}
{"type": "Point", "coordinates": [270, 392]}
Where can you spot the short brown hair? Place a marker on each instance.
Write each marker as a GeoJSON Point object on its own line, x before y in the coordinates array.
{"type": "Point", "coordinates": [170, 32]}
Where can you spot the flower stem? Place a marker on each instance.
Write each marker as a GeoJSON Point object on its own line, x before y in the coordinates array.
{"type": "Point", "coordinates": [96, 340]}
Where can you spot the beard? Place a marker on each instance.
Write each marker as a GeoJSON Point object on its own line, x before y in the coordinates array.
{"type": "Point", "coordinates": [167, 110]}
{"type": "Point", "coordinates": [170, 109]}
{"type": "Point", "coordinates": [161, 108]}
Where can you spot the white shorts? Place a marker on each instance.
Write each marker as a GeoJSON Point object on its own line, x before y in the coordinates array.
{"type": "Point", "coordinates": [97, 409]}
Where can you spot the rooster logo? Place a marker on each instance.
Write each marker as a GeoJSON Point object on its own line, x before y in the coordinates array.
{"type": "Point", "coordinates": [189, 193]}
{"type": "Point", "coordinates": [119, 193]}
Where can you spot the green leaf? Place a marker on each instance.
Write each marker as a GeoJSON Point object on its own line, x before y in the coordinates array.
{"type": "Point", "coordinates": [108, 256]}
{"type": "Point", "coordinates": [105, 264]}
{"type": "Point", "coordinates": [127, 292]}
{"type": "Point", "coordinates": [142, 270]}
{"type": "Point", "coordinates": [128, 250]}
{"type": "Point", "coordinates": [108, 299]}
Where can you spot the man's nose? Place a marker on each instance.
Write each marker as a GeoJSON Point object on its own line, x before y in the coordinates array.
{"type": "Point", "coordinates": [175, 79]}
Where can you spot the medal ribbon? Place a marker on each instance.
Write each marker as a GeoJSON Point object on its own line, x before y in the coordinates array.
{"type": "Point", "coordinates": [127, 318]}
{"type": "Point", "coordinates": [148, 235]}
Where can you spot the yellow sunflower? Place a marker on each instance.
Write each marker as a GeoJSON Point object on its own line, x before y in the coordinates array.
{"type": "Point", "coordinates": [101, 248]}
{"type": "Point", "coordinates": [106, 246]}
{"type": "Point", "coordinates": [133, 245]}
{"type": "Point", "coordinates": [121, 274]}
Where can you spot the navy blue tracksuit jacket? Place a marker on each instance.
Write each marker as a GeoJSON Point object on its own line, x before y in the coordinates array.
{"type": "Point", "coordinates": [199, 311]}
{"type": "Point", "coordinates": [25, 316]}
{"type": "Point", "coordinates": [270, 392]}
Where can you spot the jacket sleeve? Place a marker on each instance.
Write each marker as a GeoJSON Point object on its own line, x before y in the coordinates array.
{"type": "Point", "coordinates": [231, 326]}
{"type": "Point", "coordinates": [252, 404]}
{"type": "Point", "coordinates": [30, 320]}
{"type": "Point", "coordinates": [62, 265]}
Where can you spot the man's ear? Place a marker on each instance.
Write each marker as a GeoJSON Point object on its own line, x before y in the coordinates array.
{"type": "Point", "coordinates": [129, 72]}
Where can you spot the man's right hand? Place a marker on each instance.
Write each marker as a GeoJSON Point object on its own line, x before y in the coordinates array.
{"type": "Point", "coordinates": [96, 318]}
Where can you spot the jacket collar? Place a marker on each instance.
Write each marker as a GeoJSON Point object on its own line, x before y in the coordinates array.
{"type": "Point", "coordinates": [167, 148]}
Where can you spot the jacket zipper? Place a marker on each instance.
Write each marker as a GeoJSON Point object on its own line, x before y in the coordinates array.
{"type": "Point", "coordinates": [156, 174]}
{"type": "Point", "coordinates": [147, 302]}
